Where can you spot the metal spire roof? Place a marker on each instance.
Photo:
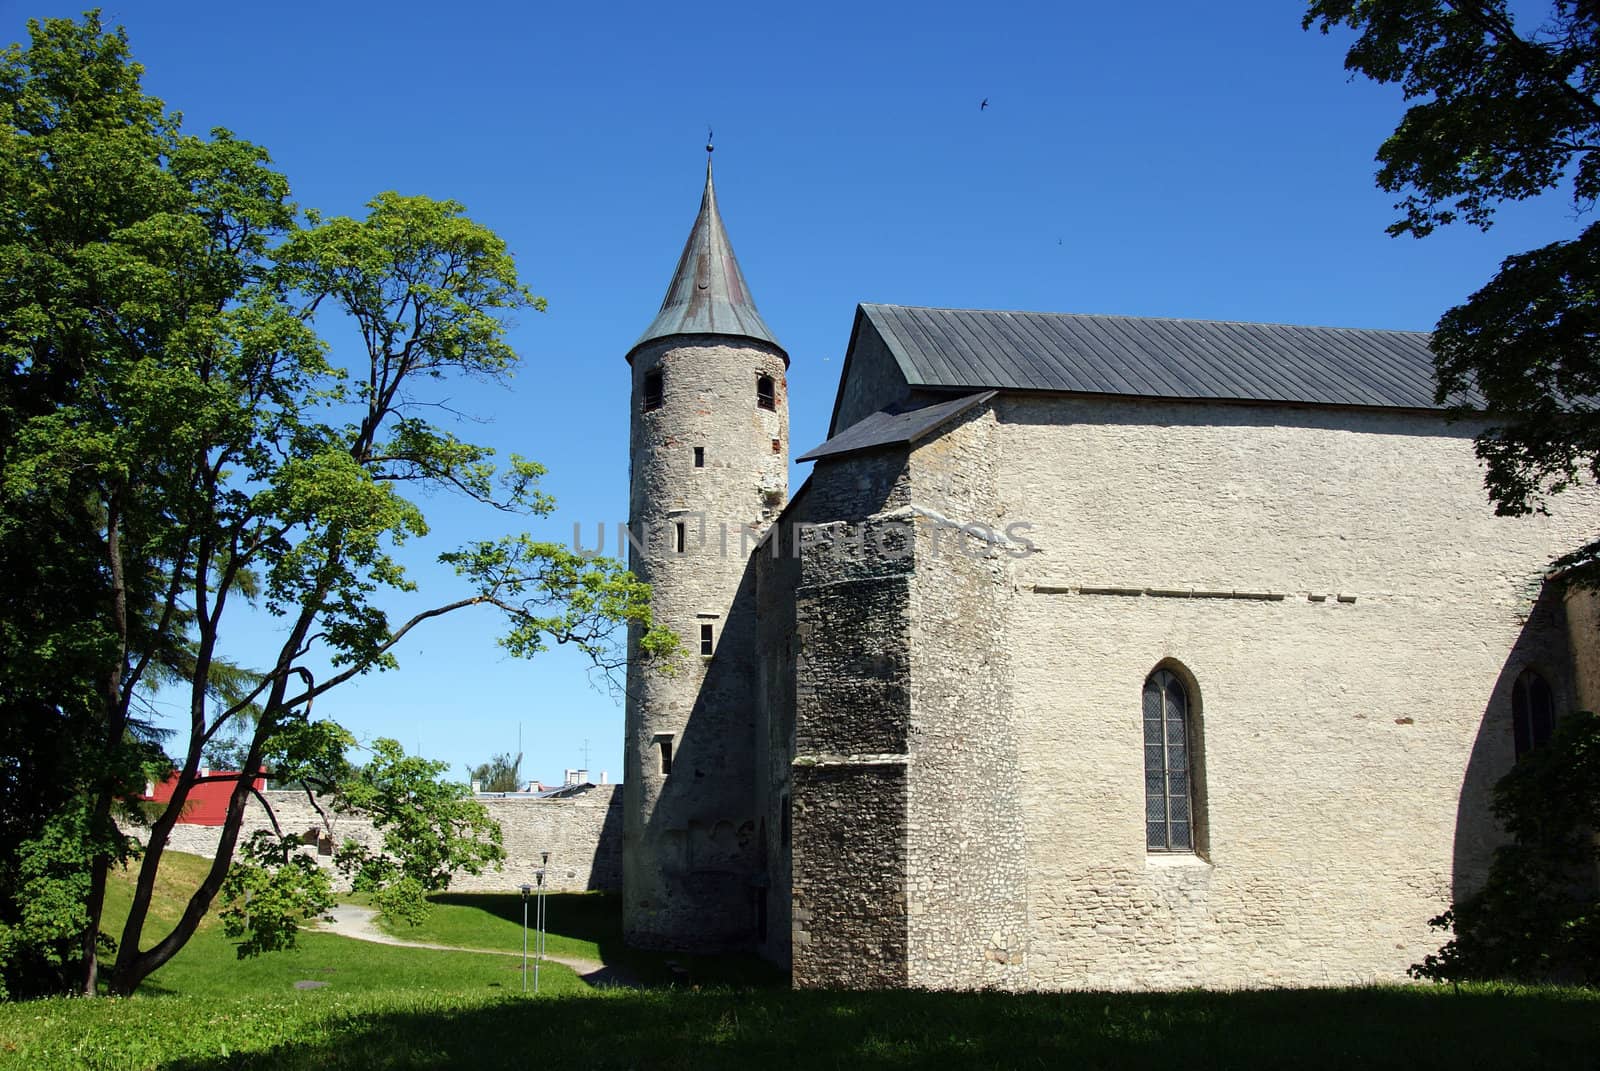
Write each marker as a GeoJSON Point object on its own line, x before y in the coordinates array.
{"type": "Point", "coordinates": [708, 295]}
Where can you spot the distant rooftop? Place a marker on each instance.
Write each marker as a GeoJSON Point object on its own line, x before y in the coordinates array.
{"type": "Point", "coordinates": [974, 349]}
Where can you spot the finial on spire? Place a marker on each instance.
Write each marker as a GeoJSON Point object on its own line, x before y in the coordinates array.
{"type": "Point", "coordinates": [710, 148]}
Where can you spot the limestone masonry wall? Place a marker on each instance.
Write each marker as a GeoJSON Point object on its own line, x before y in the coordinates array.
{"type": "Point", "coordinates": [873, 381]}
{"type": "Point", "coordinates": [1333, 587]}
{"type": "Point", "coordinates": [692, 836]}
{"type": "Point", "coordinates": [851, 716]}
{"type": "Point", "coordinates": [1583, 635]}
{"type": "Point", "coordinates": [583, 835]}
{"type": "Point", "coordinates": [776, 577]}
{"type": "Point", "coordinates": [967, 882]}
{"type": "Point", "coordinates": [1351, 614]}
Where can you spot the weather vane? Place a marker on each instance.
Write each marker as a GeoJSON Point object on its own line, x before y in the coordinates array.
{"type": "Point", "coordinates": [709, 146]}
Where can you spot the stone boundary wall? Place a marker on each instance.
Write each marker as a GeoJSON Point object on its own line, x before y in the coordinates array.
{"type": "Point", "coordinates": [582, 833]}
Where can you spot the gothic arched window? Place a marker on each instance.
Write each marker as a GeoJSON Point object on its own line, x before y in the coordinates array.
{"type": "Point", "coordinates": [766, 393]}
{"type": "Point", "coordinates": [1168, 765]}
{"type": "Point", "coordinates": [1533, 711]}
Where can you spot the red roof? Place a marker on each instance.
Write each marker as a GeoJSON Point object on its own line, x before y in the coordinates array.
{"type": "Point", "coordinates": [207, 802]}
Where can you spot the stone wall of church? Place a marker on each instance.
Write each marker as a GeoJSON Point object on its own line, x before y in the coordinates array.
{"type": "Point", "coordinates": [909, 860]}
{"type": "Point", "coordinates": [583, 835]}
{"type": "Point", "coordinates": [851, 719]}
{"type": "Point", "coordinates": [1583, 635]}
{"type": "Point", "coordinates": [1351, 615]}
{"type": "Point", "coordinates": [872, 382]}
{"type": "Point", "coordinates": [1333, 587]}
{"type": "Point", "coordinates": [777, 575]}
{"type": "Point", "coordinates": [966, 860]}
{"type": "Point", "coordinates": [850, 921]}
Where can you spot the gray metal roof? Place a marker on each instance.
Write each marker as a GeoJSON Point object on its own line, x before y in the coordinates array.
{"type": "Point", "coordinates": [887, 427]}
{"type": "Point", "coordinates": [1158, 358]}
{"type": "Point", "coordinates": [708, 294]}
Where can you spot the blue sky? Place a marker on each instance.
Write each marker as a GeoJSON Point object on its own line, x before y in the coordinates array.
{"type": "Point", "coordinates": [1169, 159]}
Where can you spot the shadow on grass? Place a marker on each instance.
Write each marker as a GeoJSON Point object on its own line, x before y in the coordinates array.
{"type": "Point", "coordinates": [1402, 1028]}
{"type": "Point", "coordinates": [597, 917]}
{"type": "Point", "coordinates": [593, 917]}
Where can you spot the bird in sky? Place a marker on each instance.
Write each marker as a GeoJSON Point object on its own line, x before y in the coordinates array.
{"type": "Point", "coordinates": [984, 105]}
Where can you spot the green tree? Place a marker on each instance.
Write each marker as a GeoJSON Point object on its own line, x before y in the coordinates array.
{"type": "Point", "coordinates": [1537, 917]}
{"type": "Point", "coordinates": [1502, 109]}
{"type": "Point", "coordinates": [1505, 108]}
{"type": "Point", "coordinates": [431, 829]}
{"type": "Point", "coordinates": [270, 891]}
{"type": "Point", "coordinates": [502, 773]}
{"type": "Point", "coordinates": [79, 177]}
{"type": "Point", "coordinates": [172, 414]}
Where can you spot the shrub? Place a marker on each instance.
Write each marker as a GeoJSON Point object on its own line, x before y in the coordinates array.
{"type": "Point", "coordinates": [1537, 917]}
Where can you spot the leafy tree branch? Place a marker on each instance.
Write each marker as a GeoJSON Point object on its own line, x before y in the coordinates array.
{"type": "Point", "coordinates": [179, 445]}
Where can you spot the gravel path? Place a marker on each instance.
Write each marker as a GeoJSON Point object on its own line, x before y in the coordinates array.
{"type": "Point", "coordinates": [353, 920]}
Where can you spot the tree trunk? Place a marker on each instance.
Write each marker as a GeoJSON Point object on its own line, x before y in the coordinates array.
{"type": "Point", "coordinates": [133, 966]}
{"type": "Point", "coordinates": [99, 867]}
{"type": "Point", "coordinates": [100, 825]}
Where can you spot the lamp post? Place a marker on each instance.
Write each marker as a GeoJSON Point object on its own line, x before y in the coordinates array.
{"type": "Point", "coordinates": [544, 863]}
{"type": "Point", "coordinates": [526, 889]}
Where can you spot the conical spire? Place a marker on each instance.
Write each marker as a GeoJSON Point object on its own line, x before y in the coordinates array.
{"type": "Point", "coordinates": [708, 295]}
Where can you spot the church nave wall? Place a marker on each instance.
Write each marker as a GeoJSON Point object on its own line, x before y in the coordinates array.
{"type": "Point", "coordinates": [1351, 616]}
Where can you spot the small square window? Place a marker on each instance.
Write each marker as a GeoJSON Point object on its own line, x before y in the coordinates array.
{"type": "Point", "coordinates": [706, 640]}
{"type": "Point", "coordinates": [699, 457]}
{"type": "Point", "coordinates": [652, 390]}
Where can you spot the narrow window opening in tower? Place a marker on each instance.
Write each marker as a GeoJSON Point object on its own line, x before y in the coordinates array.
{"type": "Point", "coordinates": [699, 457]}
{"type": "Point", "coordinates": [777, 446]}
{"type": "Point", "coordinates": [679, 537]}
{"type": "Point", "coordinates": [766, 393]}
{"type": "Point", "coordinates": [664, 747]}
{"type": "Point", "coordinates": [652, 390]}
{"type": "Point", "coordinates": [706, 640]}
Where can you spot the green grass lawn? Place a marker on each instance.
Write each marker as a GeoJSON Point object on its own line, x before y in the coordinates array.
{"type": "Point", "coordinates": [391, 1008]}
{"type": "Point", "coordinates": [761, 1029]}
{"type": "Point", "coordinates": [209, 964]}
{"type": "Point", "coordinates": [578, 924]}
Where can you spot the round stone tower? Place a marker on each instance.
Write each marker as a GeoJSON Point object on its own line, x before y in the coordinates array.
{"type": "Point", "coordinates": [709, 440]}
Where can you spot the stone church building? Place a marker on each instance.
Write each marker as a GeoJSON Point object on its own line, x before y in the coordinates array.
{"type": "Point", "coordinates": [1095, 651]}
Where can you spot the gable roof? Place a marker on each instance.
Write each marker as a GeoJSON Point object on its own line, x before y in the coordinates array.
{"type": "Point", "coordinates": [1157, 358]}
{"type": "Point", "coordinates": [889, 427]}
